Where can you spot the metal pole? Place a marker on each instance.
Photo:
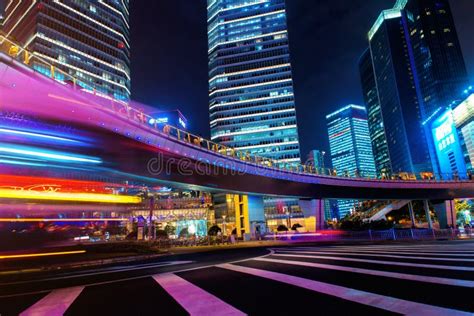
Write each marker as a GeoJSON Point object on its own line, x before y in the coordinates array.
{"type": "Point", "coordinates": [426, 206]}
{"type": "Point", "coordinates": [412, 214]}
{"type": "Point", "coordinates": [150, 226]}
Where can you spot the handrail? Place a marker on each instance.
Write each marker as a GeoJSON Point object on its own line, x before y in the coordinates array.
{"type": "Point", "coordinates": [124, 109]}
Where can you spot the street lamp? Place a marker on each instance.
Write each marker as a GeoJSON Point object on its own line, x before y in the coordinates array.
{"type": "Point", "coordinates": [224, 225]}
{"type": "Point", "coordinates": [323, 153]}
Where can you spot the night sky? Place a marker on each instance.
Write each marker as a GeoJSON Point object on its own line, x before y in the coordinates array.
{"type": "Point", "coordinates": [327, 37]}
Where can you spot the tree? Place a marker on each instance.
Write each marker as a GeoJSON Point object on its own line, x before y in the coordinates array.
{"type": "Point", "coordinates": [170, 230]}
{"type": "Point", "coordinates": [463, 211]}
{"type": "Point", "coordinates": [296, 226]}
{"type": "Point", "coordinates": [214, 230]}
{"type": "Point", "coordinates": [184, 233]}
{"type": "Point", "coordinates": [161, 234]}
{"type": "Point", "coordinates": [282, 228]}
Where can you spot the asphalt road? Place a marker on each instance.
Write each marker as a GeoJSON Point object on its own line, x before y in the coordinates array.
{"type": "Point", "coordinates": [417, 279]}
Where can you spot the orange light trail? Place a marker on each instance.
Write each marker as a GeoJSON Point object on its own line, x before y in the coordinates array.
{"type": "Point", "coordinates": [45, 254]}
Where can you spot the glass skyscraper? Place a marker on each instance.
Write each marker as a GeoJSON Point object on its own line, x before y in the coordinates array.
{"type": "Point", "coordinates": [86, 39]}
{"type": "Point", "coordinates": [252, 103]}
{"type": "Point", "coordinates": [374, 114]}
{"type": "Point", "coordinates": [415, 65]}
{"type": "Point", "coordinates": [350, 146]}
{"type": "Point", "coordinates": [437, 53]}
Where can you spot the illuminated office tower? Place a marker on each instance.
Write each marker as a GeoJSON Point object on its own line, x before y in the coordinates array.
{"type": "Point", "coordinates": [350, 146]}
{"type": "Point", "coordinates": [399, 93]}
{"type": "Point", "coordinates": [374, 115]}
{"type": "Point", "coordinates": [252, 104]}
{"type": "Point", "coordinates": [417, 68]}
{"type": "Point", "coordinates": [86, 39]}
{"type": "Point", "coordinates": [437, 53]}
{"type": "Point", "coordinates": [316, 160]}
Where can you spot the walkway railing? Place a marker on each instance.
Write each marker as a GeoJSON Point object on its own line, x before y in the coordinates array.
{"type": "Point", "coordinates": [128, 112]}
{"type": "Point", "coordinates": [377, 235]}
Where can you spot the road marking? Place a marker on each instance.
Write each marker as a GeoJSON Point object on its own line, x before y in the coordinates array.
{"type": "Point", "coordinates": [55, 303]}
{"type": "Point", "coordinates": [383, 251]}
{"type": "Point", "coordinates": [396, 275]}
{"type": "Point", "coordinates": [380, 301]}
{"type": "Point", "coordinates": [392, 249]}
{"type": "Point", "coordinates": [355, 253]}
{"type": "Point", "coordinates": [193, 299]}
{"type": "Point", "coordinates": [394, 263]}
{"type": "Point", "coordinates": [101, 271]}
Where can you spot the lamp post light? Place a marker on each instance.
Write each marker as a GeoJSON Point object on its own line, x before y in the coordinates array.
{"type": "Point", "coordinates": [223, 225]}
{"type": "Point", "coordinates": [323, 153]}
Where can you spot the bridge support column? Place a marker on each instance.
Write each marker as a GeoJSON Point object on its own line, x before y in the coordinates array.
{"type": "Point", "coordinates": [446, 213]}
{"type": "Point", "coordinates": [412, 214]}
{"type": "Point", "coordinates": [314, 214]}
{"type": "Point", "coordinates": [249, 215]}
{"type": "Point", "coordinates": [426, 206]}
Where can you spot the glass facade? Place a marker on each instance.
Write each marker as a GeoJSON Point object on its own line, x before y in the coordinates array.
{"type": "Point", "coordinates": [252, 104]}
{"type": "Point", "coordinates": [374, 114]}
{"type": "Point", "coordinates": [316, 159]}
{"type": "Point", "coordinates": [350, 145]}
{"type": "Point", "coordinates": [399, 95]}
{"type": "Point", "coordinates": [86, 39]}
{"type": "Point", "coordinates": [418, 69]}
{"type": "Point", "coordinates": [437, 53]}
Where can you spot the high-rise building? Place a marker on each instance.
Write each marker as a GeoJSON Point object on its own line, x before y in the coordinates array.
{"type": "Point", "coordinates": [350, 146]}
{"type": "Point", "coordinates": [399, 94]}
{"type": "Point", "coordinates": [417, 67]}
{"type": "Point", "coordinates": [437, 52]}
{"type": "Point", "coordinates": [374, 114]}
{"type": "Point", "coordinates": [252, 103]}
{"type": "Point", "coordinates": [453, 136]}
{"type": "Point", "coordinates": [316, 158]}
{"type": "Point", "coordinates": [86, 39]}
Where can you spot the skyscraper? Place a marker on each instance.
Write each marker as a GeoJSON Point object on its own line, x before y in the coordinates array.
{"type": "Point", "coordinates": [374, 114]}
{"type": "Point", "coordinates": [252, 104]}
{"type": "Point", "coordinates": [86, 39]}
{"type": "Point", "coordinates": [415, 65]}
{"type": "Point", "coordinates": [351, 149]}
{"type": "Point", "coordinates": [437, 53]}
{"type": "Point", "coordinates": [316, 159]}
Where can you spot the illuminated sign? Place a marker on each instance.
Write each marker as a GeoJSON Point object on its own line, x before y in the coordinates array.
{"type": "Point", "coordinates": [159, 120]}
{"type": "Point", "coordinates": [181, 122]}
{"type": "Point", "coordinates": [444, 133]}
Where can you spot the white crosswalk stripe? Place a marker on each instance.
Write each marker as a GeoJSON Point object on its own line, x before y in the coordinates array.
{"type": "Point", "coordinates": [371, 299]}
{"type": "Point", "coordinates": [379, 255]}
{"type": "Point", "coordinates": [420, 278]}
{"type": "Point", "coordinates": [194, 300]}
{"type": "Point", "coordinates": [284, 265]}
{"type": "Point", "coordinates": [55, 303]}
{"type": "Point", "coordinates": [394, 263]}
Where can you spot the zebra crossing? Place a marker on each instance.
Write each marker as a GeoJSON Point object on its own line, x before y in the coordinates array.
{"type": "Point", "coordinates": [411, 279]}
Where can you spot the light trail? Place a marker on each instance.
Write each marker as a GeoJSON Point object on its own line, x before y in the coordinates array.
{"type": "Point", "coordinates": [69, 197]}
{"type": "Point", "coordinates": [45, 254]}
